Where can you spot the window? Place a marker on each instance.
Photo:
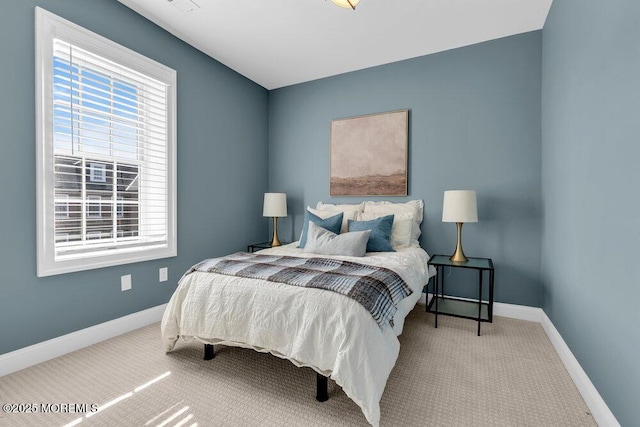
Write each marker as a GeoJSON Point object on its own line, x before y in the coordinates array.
{"type": "Point", "coordinates": [94, 207]}
{"type": "Point", "coordinates": [98, 172]}
{"type": "Point", "coordinates": [120, 207]}
{"type": "Point", "coordinates": [106, 151]}
{"type": "Point", "coordinates": [62, 206]}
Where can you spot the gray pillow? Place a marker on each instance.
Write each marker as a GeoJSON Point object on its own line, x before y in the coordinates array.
{"type": "Point", "coordinates": [324, 242]}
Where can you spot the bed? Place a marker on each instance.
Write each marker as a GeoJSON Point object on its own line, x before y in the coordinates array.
{"type": "Point", "coordinates": [323, 330]}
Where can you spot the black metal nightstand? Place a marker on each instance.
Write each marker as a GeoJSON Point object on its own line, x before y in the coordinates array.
{"type": "Point", "coordinates": [264, 245]}
{"type": "Point", "coordinates": [451, 306]}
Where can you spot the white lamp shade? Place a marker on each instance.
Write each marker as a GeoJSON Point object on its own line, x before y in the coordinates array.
{"type": "Point", "coordinates": [459, 206]}
{"type": "Point", "coordinates": [345, 3]}
{"type": "Point", "coordinates": [275, 204]}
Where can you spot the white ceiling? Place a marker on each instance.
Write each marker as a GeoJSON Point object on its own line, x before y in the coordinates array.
{"type": "Point", "coordinates": [278, 43]}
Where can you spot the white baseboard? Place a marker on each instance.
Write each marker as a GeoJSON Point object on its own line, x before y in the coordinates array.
{"type": "Point", "coordinates": [46, 350]}
{"type": "Point", "coordinates": [522, 312]}
{"type": "Point", "coordinates": [599, 409]}
{"type": "Point", "coordinates": [513, 311]}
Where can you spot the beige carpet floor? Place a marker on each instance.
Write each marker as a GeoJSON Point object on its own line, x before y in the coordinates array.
{"type": "Point", "coordinates": [510, 376]}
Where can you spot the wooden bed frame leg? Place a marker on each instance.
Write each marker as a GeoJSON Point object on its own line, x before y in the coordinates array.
{"type": "Point", "coordinates": [208, 352]}
{"type": "Point", "coordinates": [322, 394]}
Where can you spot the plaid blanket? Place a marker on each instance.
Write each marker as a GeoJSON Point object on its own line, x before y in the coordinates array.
{"type": "Point", "coordinates": [377, 289]}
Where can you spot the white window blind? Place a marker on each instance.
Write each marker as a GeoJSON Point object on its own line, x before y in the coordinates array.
{"type": "Point", "coordinates": [107, 152]}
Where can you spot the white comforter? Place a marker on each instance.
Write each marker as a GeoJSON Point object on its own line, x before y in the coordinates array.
{"type": "Point", "coordinates": [326, 331]}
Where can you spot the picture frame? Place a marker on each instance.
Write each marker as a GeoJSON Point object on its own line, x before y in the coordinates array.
{"type": "Point", "coordinates": [369, 155]}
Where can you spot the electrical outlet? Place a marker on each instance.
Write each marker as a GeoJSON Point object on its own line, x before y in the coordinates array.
{"type": "Point", "coordinates": [163, 274]}
{"type": "Point", "coordinates": [125, 282]}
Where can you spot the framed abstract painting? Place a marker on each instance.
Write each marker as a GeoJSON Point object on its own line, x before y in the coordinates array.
{"type": "Point", "coordinates": [369, 155]}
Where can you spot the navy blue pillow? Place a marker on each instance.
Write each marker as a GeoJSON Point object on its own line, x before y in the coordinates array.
{"type": "Point", "coordinates": [333, 224]}
{"type": "Point", "coordinates": [380, 239]}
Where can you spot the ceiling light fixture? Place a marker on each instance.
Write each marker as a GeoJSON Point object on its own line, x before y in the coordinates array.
{"type": "Point", "coordinates": [347, 4]}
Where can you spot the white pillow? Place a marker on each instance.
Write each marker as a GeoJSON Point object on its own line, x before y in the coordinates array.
{"type": "Point", "coordinates": [350, 212]}
{"type": "Point", "coordinates": [416, 207]}
{"type": "Point", "coordinates": [341, 208]}
{"type": "Point", "coordinates": [324, 242]}
{"type": "Point", "coordinates": [329, 207]}
{"type": "Point", "coordinates": [401, 231]}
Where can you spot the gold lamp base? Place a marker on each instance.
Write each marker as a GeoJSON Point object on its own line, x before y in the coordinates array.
{"type": "Point", "coordinates": [458, 255]}
{"type": "Point", "coordinates": [275, 241]}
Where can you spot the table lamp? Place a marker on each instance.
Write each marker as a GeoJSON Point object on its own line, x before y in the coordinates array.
{"type": "Point", "coordinates": [459, 206]}
{"type": "Point", "coordinates": [275, 205]}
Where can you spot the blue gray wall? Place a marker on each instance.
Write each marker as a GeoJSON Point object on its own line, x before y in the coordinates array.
{"type": "Point", "coordinates": [222, 174]}
{"type": "Point", "coordinates": [474, 123]}
{"type": "Point", "coordinates": [591, 179]}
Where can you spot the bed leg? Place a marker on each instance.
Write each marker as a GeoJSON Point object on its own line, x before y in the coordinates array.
{"type": "Point", "coordinates": [208, 352]}
{"type": "Point", "coordinates": [321, 389]}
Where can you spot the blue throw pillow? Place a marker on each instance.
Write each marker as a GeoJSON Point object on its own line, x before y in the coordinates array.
{"type": "Point", "coordinates": [333, 224]}
{"type": "Point", "coordinates": [380, 239]}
